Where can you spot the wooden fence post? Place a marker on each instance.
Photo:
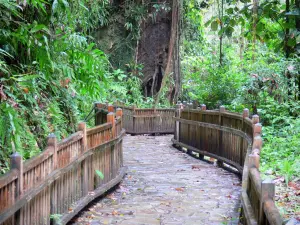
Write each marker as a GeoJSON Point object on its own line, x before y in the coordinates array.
{"type": "Point", "coordinates": [86, 181]}
{"type": "Point", "coordinates": [267, 192]}
{"type": "Point", "coordinates": [82, 127]}
{"type": "Point", "coordinates": [110, 108]}
{"type": "Point", "coordinates": [202, 108]}
{"type": "Point", "coordinates": [133, 118]}
{"type": "Point", "coordinates": [119, 113]}
{"type": "Point", "coordinates": [257, 129]}
{"type": "Point", "coordinates": [16, 162]}
{"type": "Point", "coordinates": [52, 143]}
{"type": "Point", "coordinates": [195, 104]}
{"type": "Point", "coordinates": [221, 111]}
{"type": "Point", "coordinates": [254, 161]}
{"type": "Point", "coordinates": [111, 119]}
{"type": "Point", "coordinates": [257, 144]}
{"type": "Point", "coordinates": [241, 152]}
{"type": "Point", "coordinates": [99, 118]}
{"type": "Point", "coordinates": [246, 113]}
{"type": "Point", "coordinates": [255, 120]}
{"type": "Point", "coordinates": [189, 130]}
{"type": "Point", "coordinates": [177, 115]}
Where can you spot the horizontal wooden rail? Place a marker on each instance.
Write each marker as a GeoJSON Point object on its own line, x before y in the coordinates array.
{"type": "Point", "coordinates": [141, 121]}
{"type": "Point", "coordinates": [236, 140]}
{"type": "Point", "coordinates": [59, 182]}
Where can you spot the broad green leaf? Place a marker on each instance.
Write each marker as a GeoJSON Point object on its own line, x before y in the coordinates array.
{"type": "Point", "coordinates": [214, 26]}
{"type": "Point", "coordinates": [100, 174]}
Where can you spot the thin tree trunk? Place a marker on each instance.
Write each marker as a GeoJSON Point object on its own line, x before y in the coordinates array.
{"type": "Point", "coordinates": [286, 46]}
{"type": "Point", "coordinates": [221, 43]}
{"type": "Point", "coordinates": [297, 6]}
{"type": "Point", "coordinates": [221, 12]}
{"type": "Point", "coordinates": [287, 31]}
{"type": "Point", "coordinates": [255, 18]}
{"type": "Point", "coordinates": [242, 44]}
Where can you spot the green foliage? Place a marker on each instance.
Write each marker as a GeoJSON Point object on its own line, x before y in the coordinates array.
{"type": "Point", "coordinates": [51, 71]}
{"type": "Point", "coordinates": [206, 82]}
{"type": "Point", "coordinates": [265, 81]}
{"type": "Point", "coordinates": [270, 27]}
{"type": "Point", "coordinates": [134, 14]}
{"type": "Point", "coordinates": [281, 151]}
{"type": "Point", "coordinates": [100, 174]}
{"type": "Point", "coordinates": [193, 24]}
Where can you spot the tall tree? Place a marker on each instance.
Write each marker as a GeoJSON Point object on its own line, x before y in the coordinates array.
{"type": "Point", "coordinates": [173, 64]}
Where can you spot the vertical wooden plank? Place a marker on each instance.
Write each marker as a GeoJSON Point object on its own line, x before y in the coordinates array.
{"type": "Point", "coordinates": [111, 119]}
{"type": "Point", "coordinates": [242, 149]}
{"type": "Point", "coordinates": [110, 108]}
{"type": "Point", "coordinates": [133, 119]}
{"type": "Point", "coordinates": [267, 192]}
{"type": "Point", "coordinates": [85, 163]}
{"type": "Point", "coordinates": [178, 115]}
{"type": "Point", "coordinates": [16, 162]}
{"type": "Point", "coordinates": [220, 133]}
{"type": "Point", "coordinates": [119, 114]}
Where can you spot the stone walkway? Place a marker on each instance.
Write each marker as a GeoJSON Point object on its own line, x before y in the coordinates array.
{"type": "Point", "coordinates": [166, 186]}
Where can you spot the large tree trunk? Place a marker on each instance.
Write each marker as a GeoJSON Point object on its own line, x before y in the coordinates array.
{"type": "Point", "coordinates": [158, 51]}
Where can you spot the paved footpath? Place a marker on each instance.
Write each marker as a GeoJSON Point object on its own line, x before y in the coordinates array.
{"type": "Point", "coordinates": [167, 187]}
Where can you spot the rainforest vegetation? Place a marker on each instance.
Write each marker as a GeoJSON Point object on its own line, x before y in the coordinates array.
{"type": "Point", "coordinates": [58, 57]}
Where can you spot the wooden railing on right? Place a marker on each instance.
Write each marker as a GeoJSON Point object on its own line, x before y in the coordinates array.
{"type": "Point", "coordinates": [236, 140]}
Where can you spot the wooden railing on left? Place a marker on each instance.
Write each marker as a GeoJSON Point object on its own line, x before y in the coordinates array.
{"type": "Point", "coordinates": [54, 186]}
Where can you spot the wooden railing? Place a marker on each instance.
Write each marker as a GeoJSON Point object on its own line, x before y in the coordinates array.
{"type": "Point", "coordinates": [58, 183]}
{"type": "Point", "coordinates": [55, 185]}
{"type": "Point", "coordinates": [236, 140]}
{"type": "Point", "coordinates": [141, 121]}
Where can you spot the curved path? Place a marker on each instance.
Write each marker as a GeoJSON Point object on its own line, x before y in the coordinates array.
{"type": "Point", "coordinates": [166, 186]}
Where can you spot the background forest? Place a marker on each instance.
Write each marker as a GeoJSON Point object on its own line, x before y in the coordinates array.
{"type": "Point", "coordinates": [245, 54]}
{"type": "Point", "coordinates": [58, 57]}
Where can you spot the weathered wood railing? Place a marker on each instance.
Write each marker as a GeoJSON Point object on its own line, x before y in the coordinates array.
{"type": "Point", "coordinates": [236, 140]}
{"type": "Point", "coordinates": [141, 121]}
{"type": "Point", "coordinates": [55, 185]}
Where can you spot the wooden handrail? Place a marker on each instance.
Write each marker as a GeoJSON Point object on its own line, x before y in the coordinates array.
{"type": "Point", "coordinates": [62, 177]}
{"type": "Point", "coordinates": [98, 128]}
{"type": "Point", "coordinates": [36, 160]}
{"type": "Point", "coordinates": [8, 177]}
{"type": "Point", "coordinates": [69, 140]}
{"type": "Point", "coordinates": [210, 132]}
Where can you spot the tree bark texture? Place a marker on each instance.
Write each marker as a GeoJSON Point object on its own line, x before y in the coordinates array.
{"type": "Point", "coordinates": [158, 51]}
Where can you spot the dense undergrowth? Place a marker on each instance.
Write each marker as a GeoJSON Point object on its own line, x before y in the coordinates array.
{"type": "Point", "coordinates": [51, 71]}
{"type": "Point", "coordinates": [250, 60]}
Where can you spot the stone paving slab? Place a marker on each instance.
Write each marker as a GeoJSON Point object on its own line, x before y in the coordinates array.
{"type": "Point", "coordinates": [165, 186]}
